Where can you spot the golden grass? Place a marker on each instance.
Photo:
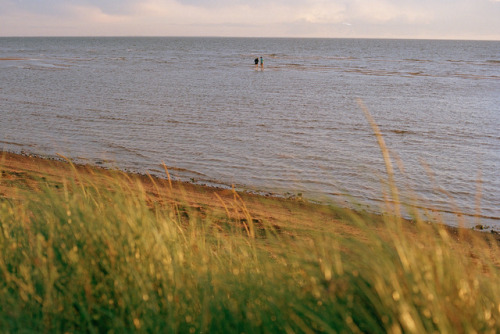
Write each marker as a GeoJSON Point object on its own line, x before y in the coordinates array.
{"type": "Point", "coordinates": [89, 250]}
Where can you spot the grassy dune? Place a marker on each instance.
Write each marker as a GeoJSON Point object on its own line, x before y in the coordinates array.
{"type": "Point", "coordinates": [86, 250]}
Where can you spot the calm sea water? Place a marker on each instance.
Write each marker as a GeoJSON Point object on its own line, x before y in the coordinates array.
{"type": "Point", "coordinates": [199, 105]}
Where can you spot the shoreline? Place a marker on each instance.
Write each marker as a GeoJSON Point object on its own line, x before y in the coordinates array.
{"type": "Point", "coordinates": [28, 170]}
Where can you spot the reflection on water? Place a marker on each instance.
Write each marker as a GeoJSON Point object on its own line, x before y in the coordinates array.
{"type": "Point", "coordinates": [199, 105]}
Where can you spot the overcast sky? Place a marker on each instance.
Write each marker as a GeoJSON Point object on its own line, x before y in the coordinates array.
{"type": "Point", "coordinates": [441, 19]}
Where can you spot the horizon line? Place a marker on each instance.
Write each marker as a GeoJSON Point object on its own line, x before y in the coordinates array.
{"type": "Point", "coordinates": [249, 37]}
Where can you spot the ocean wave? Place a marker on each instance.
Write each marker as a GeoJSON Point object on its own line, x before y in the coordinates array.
{"type": "Point", "coordinates": [418, 60]}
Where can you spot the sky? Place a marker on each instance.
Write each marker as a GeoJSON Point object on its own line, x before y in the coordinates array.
{"type": "Point", "coordinates": [419, 19]}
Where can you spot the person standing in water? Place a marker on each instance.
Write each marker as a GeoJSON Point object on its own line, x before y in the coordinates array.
{"type": "Point", "coordinates": [261, 63]}
{"type": "Point", "coordinates": [256, 63]}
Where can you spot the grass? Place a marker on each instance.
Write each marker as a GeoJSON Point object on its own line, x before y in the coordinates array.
{"type": "Point", "coordinates": [82, 254]}
{"type": "Point", "coordinates": [84, 257]}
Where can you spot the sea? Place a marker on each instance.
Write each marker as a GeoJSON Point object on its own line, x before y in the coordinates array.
{"type": "Point", "coordinates": [294, 128]}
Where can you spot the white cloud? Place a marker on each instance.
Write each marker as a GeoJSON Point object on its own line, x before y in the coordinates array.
{"type": "Point", "coordinates": [321, 18]}
{"type": "Point", "coordinates": [385, 10]}
{"type": "Point", "coordinates": [322, 12]}
{"type": "Point", "coordinates": [94, 14]}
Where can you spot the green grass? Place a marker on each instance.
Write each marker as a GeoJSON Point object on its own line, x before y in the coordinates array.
{"type": "Point", "coordinates": [102, 257]}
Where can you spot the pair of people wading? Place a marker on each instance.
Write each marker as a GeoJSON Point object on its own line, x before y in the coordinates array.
{"type": "Point", "coordinates": [257, 63]}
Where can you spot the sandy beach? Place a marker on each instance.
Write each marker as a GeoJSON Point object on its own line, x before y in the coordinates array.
{"type": "Point", "coordinates": [30, 172]}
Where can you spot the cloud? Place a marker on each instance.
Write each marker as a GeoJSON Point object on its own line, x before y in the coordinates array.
{"type": "Point", "coordinates": [56, 7]}
{"type": "Point", "coordinates": [301, 18]}
{"type": "Point", "coordinates": [383, 11]}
